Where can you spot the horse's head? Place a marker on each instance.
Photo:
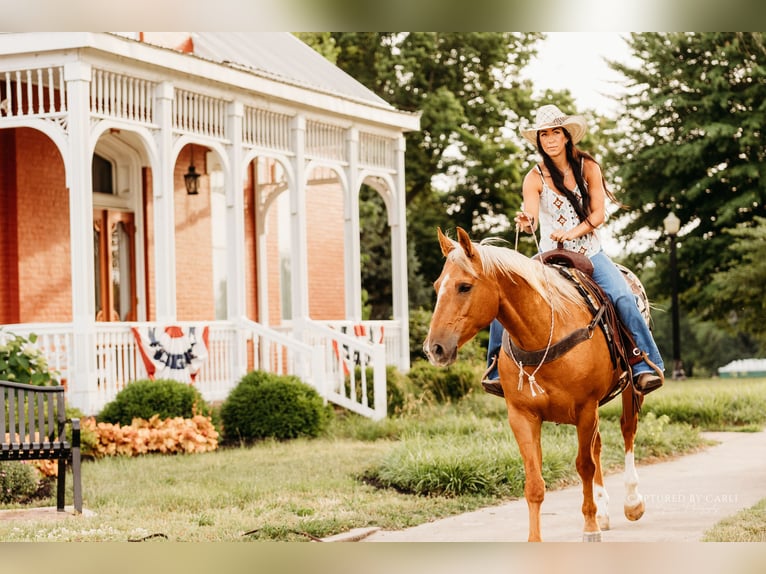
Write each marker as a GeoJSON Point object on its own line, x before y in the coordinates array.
{"type": "Point", "coordinates": [466, 300]}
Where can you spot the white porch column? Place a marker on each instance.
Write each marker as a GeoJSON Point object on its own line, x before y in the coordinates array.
{"type": "Point", "coordinates": [164, 216]}
{"type": "Point", "coordinates": [235, 222]}
{"type": "Point", "coordinates": [399, 259]}
{"type": "Point", "coordinates": [352, 260]}
{"type": "Point", "coordinates": [82, 382]}
{"type": "Point", "coordinates": [298, 241]}
{"type": "Point", "coordinates": [235, 235]}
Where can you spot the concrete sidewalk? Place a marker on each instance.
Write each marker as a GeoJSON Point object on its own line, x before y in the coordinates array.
{"type": "Point", "coordinates": [684, 498]}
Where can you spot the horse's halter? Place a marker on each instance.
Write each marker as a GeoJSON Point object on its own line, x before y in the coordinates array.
{"type": "Point", "coordinates": [534, 387]}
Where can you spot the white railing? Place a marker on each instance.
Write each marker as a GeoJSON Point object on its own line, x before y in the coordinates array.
{"type": "Point", "coordinates": [348, 370]}
{"type": "Point", "coordinates": [33, 92]}
{"type": "Point", "coordinates": [278, 353]}
{"type": "Point", "coordinates": [266, 129]}
{"type": "Point", "coordinates": [120, 96]}
{"type": "Point", "coordinates": [199, 114]}
{"type": "Point", "coordinates": [377, 151]}
{"type": "Point", "coordinates": [355, 370]}
{"type": "Point", "coordinates": [325, 141]}
{"type": "Point", "coordinates": [387, 333]}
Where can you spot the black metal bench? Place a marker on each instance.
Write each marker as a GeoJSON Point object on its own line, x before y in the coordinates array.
{"type": "Point", "coordinates": [32, 427]}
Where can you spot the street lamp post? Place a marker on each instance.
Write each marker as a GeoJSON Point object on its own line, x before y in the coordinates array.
{"type": "Point", "coordinates": [672, 226]}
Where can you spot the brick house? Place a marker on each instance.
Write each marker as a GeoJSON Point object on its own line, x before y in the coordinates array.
{"type": "Point", "coordinates": [183, 183]}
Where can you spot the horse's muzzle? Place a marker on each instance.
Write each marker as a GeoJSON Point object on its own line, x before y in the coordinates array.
{"type": "Point", "coordinates": [440, 354]}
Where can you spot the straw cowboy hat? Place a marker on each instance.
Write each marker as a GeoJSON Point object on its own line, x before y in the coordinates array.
{"type": "Point", "coordinates": [549, 116]}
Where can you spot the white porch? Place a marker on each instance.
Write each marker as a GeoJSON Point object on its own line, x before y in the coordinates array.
{"type": "Point", "coordinates": [327, 356]}
{"type": "Point", "coordinates": [143, 104]}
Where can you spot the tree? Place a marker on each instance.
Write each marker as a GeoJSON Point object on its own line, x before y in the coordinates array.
{"type": "Point", "coordinates": [466, 87]}
{"type": "Point", "coordinates": [740, 288]}
{"type": "Point", "coordinates": [694, 144]}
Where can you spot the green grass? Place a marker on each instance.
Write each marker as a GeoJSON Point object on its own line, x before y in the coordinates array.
{"type": "Point", "coordinates": [749, 525]}
{"type": "Point", "coordinates": [437, 461]}
{"type": "Point", "coordinates": [712, 405]}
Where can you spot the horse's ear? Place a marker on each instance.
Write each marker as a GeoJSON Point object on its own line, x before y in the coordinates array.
{"type": "Point", "coordinates": [465, 242]}
{"type": "Point", "coordinates": [446, 243]}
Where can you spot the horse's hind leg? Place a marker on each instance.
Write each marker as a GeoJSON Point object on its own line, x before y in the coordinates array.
{"type": "Point", "coordinates": [587, 432]}
{"type": "Point", "coordinates": [599, 490]}
{"type": "Point", "coordinates": [634, 502]}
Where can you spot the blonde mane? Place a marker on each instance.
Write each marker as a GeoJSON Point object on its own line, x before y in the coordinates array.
{"type": "Point", "coordinates": [499, 259]}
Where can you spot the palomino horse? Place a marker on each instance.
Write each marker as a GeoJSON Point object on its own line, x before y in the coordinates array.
{"type": "Point", "coordinates": [537, 307]}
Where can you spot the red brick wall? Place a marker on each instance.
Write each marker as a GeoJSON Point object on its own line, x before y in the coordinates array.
{"type": "Point", "coordinates": [43, 239]}
{"type": "Point", "coordinates": [272, 256]}
{"type": "Point", "coordinates": [35, 240]}
{"type": "Point", "coordinates": [195, 300]}
{"type": "Point", "coordinates": [9, 269]}
{"type": "Point", "coordinates": [325, 237]}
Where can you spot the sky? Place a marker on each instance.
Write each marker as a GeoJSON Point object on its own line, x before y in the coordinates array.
{"type": "Point", "coordinates": [575, 61]}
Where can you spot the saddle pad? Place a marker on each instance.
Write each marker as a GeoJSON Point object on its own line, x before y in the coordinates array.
{"type": "Point", "coordinates": [638, 290]}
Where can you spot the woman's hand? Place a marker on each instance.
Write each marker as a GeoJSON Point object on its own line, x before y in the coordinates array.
{"type": "Point", "coordinates": [525, 222]}
{"type": "Point", "coordinates": [562, 235]}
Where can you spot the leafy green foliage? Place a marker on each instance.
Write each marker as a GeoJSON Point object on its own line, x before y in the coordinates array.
{"type": "Point", "coordinates": [444, 384]}
{"type": "Point", "coordinates": [740, 288]}
{"type": "Point", "coordinates": [21, 361]}
{"type": "Point", "coordinates": [465, 86]}
{"type": "Point", "coordinates": [694, 144]}
{"type": "Point", "coordinates": [145, 398]}
{"type": "Point", "coordinates": [18, 481]}
{"type": "Point", "coordinates": [265, 405]}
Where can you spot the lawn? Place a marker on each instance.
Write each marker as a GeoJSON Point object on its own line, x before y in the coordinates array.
{"type": "Point", "coordinates": [437, 461]}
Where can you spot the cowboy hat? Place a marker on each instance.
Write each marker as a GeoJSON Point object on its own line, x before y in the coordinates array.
{"type": "Point", "coordinates": [549, 116]}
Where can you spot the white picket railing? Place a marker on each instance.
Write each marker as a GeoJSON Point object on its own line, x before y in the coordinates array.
{"type": "Point", "coordinates": [199, 114]}
{"type": "Point", "coordinates": [326, 358]}
{"type": "Point", "coordinates": [121, 96]}
{"type": "Point", "coordinates": [377, 151]}
{"type": "Point", "coordinates": [325, 141]}
{"type": "Point", "coordinates": [355, 370]}
{"type": "Point", "coordinates": [37, 92]}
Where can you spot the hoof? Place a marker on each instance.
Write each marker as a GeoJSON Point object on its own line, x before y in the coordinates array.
{"type": "Point", "coordinates": [603, 522]}
{"type": "Point", "coordinates": [591, 537]}
{"type": "Point", "coordinates": [634, 507]}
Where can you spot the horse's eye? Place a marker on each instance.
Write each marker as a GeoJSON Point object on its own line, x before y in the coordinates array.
{"type": "Point", "coordinates": [464, 287]}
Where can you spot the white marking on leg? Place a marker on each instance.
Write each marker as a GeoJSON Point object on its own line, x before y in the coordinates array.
{"type": "Point", "coordinates": [632, 497]}
{"type": "Point", "coordinates": [601, 497]}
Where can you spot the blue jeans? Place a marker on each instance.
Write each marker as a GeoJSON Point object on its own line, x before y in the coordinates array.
{"type": "Point", "coordinates": [610, 279]}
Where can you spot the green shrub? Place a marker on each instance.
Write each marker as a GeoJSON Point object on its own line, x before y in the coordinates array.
{"type": "Point", "coordinates": [21, 361]}
{"type": "Point", "coordinates": [445, 384]}
{"type": "Point", "coordinates": [145, 398]}
{"type": "Point", "coordinates": [265, 405]}
{"type": "Point", "coordinates": [18, 481]}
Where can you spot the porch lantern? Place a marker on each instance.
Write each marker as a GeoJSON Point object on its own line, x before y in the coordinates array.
{"type": "Point", "coordinates": [191, 177]}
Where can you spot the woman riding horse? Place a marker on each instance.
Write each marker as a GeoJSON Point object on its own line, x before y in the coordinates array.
{"type": "Point", "coordinates": [565, 196]}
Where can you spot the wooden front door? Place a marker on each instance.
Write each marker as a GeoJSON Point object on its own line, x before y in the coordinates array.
{"type": "Point", "coordinates": [115, 265]}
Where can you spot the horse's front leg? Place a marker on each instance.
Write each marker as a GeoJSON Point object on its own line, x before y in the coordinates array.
{"type": "Point", "coordinates": [527, 430]}
{"type": "Point", "coordinates": [587, 433]}
{"type": "Point", "coordinates": [599, 490]}
{"type": "Point", "coordinates": [634, 503]}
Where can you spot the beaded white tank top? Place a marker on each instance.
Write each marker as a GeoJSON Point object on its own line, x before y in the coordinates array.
{"type": "Point", "coordinates": [557, 213]}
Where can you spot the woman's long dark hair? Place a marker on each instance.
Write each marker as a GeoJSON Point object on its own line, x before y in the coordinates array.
{"type": "Point", "coordinates": [575, 159]}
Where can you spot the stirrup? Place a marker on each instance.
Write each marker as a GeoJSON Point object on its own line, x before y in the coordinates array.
{"type": "Point", "coordinates": [647, 382]}
{"type": "Point", "coordinates": [493, 387]}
